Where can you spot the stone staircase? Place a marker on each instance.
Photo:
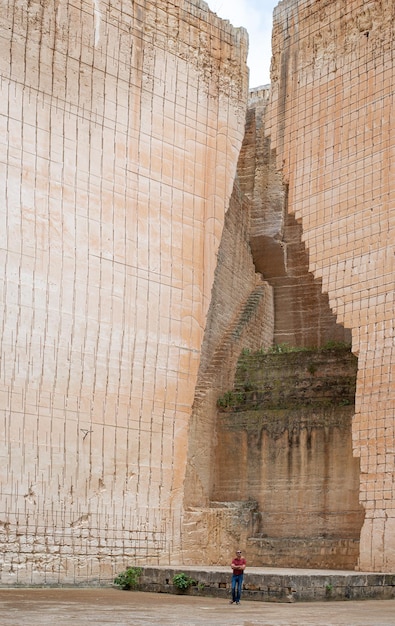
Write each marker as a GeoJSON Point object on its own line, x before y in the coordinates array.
{"type": "Point", "coordinates": [230, 344]}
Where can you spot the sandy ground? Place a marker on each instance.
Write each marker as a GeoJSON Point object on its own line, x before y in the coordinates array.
{"type": "Point", "coordinates": [65, 607]}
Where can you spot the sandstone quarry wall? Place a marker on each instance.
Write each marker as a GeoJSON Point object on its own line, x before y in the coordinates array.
{"type": "Point", "coordinates": [302, 316]}
{"type": "Point", "coordinates": [121, 127]}
{"type": "Point", "coordinates": [263, 293]}
{"type": "Point", "coordinates": [240, 317]}
{"type": "Point", "coordinates": [284, 444]}
{"type": "Point", "coordinates": [125, 302]}
{"type": "Point", "coordinates": [330, 123]}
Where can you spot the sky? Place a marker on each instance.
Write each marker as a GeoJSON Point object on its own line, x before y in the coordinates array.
{"type": "Point", "coordinates": [256, 16]}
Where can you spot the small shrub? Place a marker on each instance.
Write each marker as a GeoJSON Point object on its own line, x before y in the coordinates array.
{"type": "Point", "coordinates": [328, 589]}
{"type": "Point", "coordinates": [129, 578]}
{"type": "Point", "coordinates": [345, 402]}
{"type": "Point", "coordinates": [182, 581]}
{"type": "Point", "coordinates": [225, 400]}
{"type": "Point", "coordinates": [285, 348]}
{"type": "Point", "coordinates": [231, 399]}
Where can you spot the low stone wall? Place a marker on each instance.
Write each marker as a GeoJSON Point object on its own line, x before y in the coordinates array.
{"type": "Point", "coordinates": [274, 586]}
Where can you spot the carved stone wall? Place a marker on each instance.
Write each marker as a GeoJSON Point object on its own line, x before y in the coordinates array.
{"type": "Point", "coordinates": [302, 313]}
{"type": "Point", "coordinates": [330, 124]}
{"type": "Point", "coordinates": [240, 317]}
{"type": "Point", "coordinates": [121, 315]}
{"type": "Point", "coordinates": [262, 268]}
{"type": "Point", "coordinates": [284, 446]}
{"type": "Point", "coordinates": [121, 127]}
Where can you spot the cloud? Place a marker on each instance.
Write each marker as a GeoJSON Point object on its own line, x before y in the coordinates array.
{"type": "Point", "coordinates": [256, 17]}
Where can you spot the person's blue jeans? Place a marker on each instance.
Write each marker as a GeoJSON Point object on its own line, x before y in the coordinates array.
{"type": "Point", "coordinates": [237, 583]}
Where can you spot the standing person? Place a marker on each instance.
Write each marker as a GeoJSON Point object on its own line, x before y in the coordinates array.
{"type": "Point", "coordinates": [238, 566]}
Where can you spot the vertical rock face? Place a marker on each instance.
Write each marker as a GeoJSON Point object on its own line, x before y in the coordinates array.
{"type": "Point", "coordinates": [121, 127]}
{"type": "Point", "coordinates": [226, 490]}
{"type": "Point", "coordinates": [330, 125]}
{"type": "Point", "coordinates": [240, 317]}
{"type": "Point", "coordinates": [302, 313]}
{"type": "Point", "coordinates": [284, 443]}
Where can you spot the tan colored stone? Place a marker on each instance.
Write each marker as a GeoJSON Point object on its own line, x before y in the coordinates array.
{"type": "Point", "coordinates": [332, 95]}
{"type": "Point", "coordinates": [122, 123]}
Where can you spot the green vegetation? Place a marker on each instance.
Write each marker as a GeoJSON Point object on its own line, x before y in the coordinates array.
{"type": "Point", "coordinates": [182, 581]}
{"type": "Point", "coordinates": [288, 377]}
{"type": "Point", "coordinates": [285, 348]}
{"type": "Point", "coordinates": [231, 400]}
{"type": "Point", "coordinates": [336, 345]}
{"type": "Point", "coordinates": [328, 589]}
{"type": "Point", "coordinates": [129, 578]}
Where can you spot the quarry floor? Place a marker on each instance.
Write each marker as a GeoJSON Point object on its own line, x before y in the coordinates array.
{"type": "Point", "coordinates": [62, 607]}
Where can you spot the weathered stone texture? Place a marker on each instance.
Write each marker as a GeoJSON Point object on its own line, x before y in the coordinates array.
{"type": "Point", "coordinates": [274, 585]}
{"type": "Point", "coordinates": [121, 125]}
{"type": "Point", "coordinates": [302, 313]}
{"type": "Point", "coordinates": [240, 317]}
{"type": "Point", "coordinates": [284, 444]}
{"type": "Point", "coordinates": [330, 124]}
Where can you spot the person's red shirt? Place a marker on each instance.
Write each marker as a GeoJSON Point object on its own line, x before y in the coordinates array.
{"type": "Point", "coordinates": [237, 563]}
